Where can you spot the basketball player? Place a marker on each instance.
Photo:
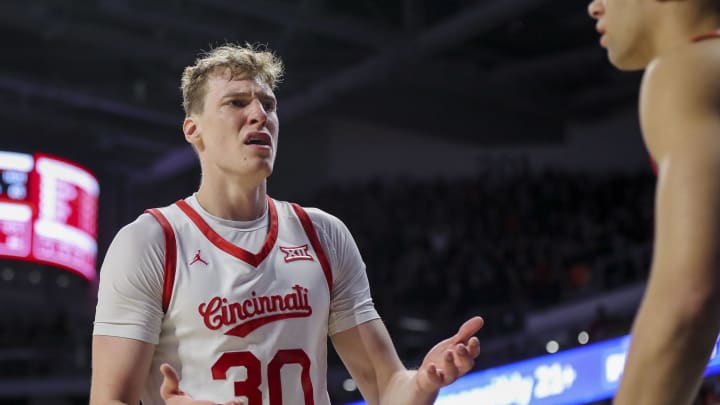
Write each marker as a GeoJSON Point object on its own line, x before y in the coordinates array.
{"type": "Point", "coordinates": [677, 42]}
{"type": "Point", "coordinates": [235, 293]}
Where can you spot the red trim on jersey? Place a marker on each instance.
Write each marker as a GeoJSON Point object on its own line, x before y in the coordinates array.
{"type": "Point", "coordinates": [170, 256]}
{"type": "Point", "coordinates": [253, 259]}
{"type": "Point", "coordinates": [315, 242]}
{"type": "Point", "coordinates": [709, 35]}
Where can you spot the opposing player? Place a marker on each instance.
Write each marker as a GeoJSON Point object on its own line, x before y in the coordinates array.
{"type": "Point", "coordinates": [677, 42]}
{"type": "Point", "coordinates": [236, 291]}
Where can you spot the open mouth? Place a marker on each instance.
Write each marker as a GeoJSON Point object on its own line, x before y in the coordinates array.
{"type": "Point", "coordinates": [258, 138]}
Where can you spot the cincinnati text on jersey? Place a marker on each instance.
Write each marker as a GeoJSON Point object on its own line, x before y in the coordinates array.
{"type": "Point", "coordinates": [252, 313]}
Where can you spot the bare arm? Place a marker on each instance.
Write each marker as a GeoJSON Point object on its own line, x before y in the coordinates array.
{"type": "Point", "coordinates": [128, 314]}
{"type": "Point", "coordinates": [120, 367]}
{"type": "Point", "coordinates": [679, 317]}
{"type": "Point", "coordinates": [371, 359]}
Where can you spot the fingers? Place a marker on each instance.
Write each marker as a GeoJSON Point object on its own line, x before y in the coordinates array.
{"type": "Point", "coordinates": [464, 355]}
{"type": "Point", "coordinates": [473, 347]}
{"type": "Point", "coordinates": [453, 357]}
{"type": "Point", "coordinates": [454, 363]}
{"type": "Point", "coordinates": [170, 385]}
{"type": "Point", "coordinates": [450, 366]}
{"type": "Point", "coordinates": [171, 393]}
{"type": "Point", "coordinates": [459, 360]}
{"type": "Point", "coordinates": [468, 329]}
{"type": "Point", "coordinates": [435, 375]}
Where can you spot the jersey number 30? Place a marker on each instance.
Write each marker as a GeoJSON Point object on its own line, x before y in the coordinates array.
{"type": "Point", "coordinates": [250, 388]}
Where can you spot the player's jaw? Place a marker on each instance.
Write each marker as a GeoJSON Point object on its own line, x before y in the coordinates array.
{"type": "Point", "coordinates": [596, 10]}
{"type": "Point", "coordinates": [248, 166]}
{"type": "Point", "coordinates": [241, 152]}
{"type": "Point", "coordinates": [258, 139]}
{"type": "Point", "coordinates": [602, 32]}
{"type": "Point", "coordinates": [620, 35]}
{"type": "Point", "coordinates": [258, 151]}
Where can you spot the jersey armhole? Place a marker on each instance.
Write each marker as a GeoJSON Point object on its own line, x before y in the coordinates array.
{"type": "Point", "coordinates": [312, 235]}
{"type": "Point", "coordinates": [170, 257]}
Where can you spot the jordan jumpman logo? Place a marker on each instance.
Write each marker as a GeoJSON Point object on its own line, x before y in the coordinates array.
{"type": "Point", "coordinates": [197, 258]}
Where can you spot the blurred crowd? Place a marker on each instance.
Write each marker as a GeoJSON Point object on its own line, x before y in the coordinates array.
{"type": "Point", "coordinates": [496, 245]}
{"type": "Point", "coordinates": [43, 327]}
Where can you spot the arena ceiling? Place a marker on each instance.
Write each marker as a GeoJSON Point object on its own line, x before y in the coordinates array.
{"type": "Point", "coordinates": [97, 80]}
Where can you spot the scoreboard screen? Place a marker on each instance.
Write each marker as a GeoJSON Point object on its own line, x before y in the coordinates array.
{"type": "Point", "coordinates": [48, 212]}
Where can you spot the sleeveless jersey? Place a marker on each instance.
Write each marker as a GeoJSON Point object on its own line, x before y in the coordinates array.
{"type": "Point", "coordinates": [243, 324]}
{"type": "Point", "coordinates": [702, 37]}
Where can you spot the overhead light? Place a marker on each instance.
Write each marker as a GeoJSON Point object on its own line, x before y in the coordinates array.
{"type": "Point", "coordinates": [349, 385]}
{"type": "Point", "coordinates": [552, 346]}
{"type": "Point", "coordinates": [63, 281]}
{"type": "Point", "coordinates": [415, 324]}
{"type": "Point", "coordinates": [7, 274]}
{"type": "Point", "coordinates": [34, 277]}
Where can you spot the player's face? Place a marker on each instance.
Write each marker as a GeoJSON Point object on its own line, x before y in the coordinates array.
{"type": "Point", "coordinates": [623, 26]}
{"type": "Point", "coordinates": [237, 132]}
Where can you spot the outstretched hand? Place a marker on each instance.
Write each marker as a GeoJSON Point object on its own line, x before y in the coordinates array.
{"type": "Point", "coordinates": [172, 395]}
{"type": "Point", "coordinates": [450, 359]}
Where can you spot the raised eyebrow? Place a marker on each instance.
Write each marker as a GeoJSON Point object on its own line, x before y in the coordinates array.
{"type": "Point", "coordinates": [267, 97]}
{"type": "Point", "coordinates": [245, 94]}
{"type": "Point", "coordinates": [236, 94]}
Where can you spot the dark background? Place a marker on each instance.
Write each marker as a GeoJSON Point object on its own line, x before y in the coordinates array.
{"type": "Point", "coordinates": [485, 155]}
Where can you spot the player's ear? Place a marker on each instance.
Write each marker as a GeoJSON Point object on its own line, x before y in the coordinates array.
{"type": "Point", "coordinates": [191, 130]}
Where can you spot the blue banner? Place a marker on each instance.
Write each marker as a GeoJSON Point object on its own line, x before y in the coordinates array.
{"type": "Point", "coordinates": [576, 376]}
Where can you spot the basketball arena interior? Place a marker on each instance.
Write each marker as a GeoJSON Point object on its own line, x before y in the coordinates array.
{"type": "Point", "coordinates": [484, 154]}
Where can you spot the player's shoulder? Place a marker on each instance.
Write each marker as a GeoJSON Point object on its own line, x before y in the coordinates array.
{"type": "Point", "coordinates": [686, 70]}
{"type": "Point", "coordinates": [679, 97]}
{"type": "Point", "coordinates": [145, 230]}
{"type": "Point", "coordinates": [323, 220]}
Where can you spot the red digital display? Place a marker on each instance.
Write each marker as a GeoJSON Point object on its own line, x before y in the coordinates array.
{"type": "Point", "coordinates": [15, 229]}
{"type": "Point", "coordinates": [48, 212]}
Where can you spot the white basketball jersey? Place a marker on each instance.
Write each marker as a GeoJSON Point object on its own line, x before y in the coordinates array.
{"type": "Point", "coordinates": [244, 324]}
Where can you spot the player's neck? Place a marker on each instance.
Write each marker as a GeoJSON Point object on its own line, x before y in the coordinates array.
{"type": "Point", "coordinates": [233, 201]}
{"type": "Point", "coordinates": [678, 31]}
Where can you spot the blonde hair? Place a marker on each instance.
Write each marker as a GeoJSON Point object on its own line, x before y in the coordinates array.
{"type": "Point", "coordinates": [242, 61]}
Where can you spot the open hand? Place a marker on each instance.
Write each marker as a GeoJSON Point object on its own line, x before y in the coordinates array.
{"type": "Point", "coordinates": [450, 359]}
{"type": "Point", "coordinates": [171, 393]}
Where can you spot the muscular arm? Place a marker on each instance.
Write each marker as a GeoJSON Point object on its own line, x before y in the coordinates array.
{"type": "Point", "coordinates": [363, 343]}
{"type": "Point", "coordinates": [679, 317]}
{"type": "Point", "coordinates": [128, 314]}
{"type": "Point", "coordinates": [120, 367]}
{"type": "Point", "coordinates": [369, 355]}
